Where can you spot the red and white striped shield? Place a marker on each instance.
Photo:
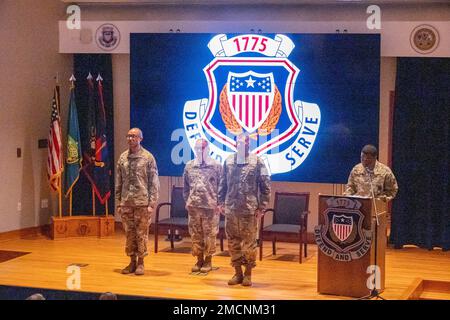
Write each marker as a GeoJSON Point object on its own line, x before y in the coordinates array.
{"type": "Point", "coordinates": [342, 226]}
{"type": "Point", "coordinates": [250, 95]}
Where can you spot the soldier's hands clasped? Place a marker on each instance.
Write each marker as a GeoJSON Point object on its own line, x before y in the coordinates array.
{"type": "Point", "coordinates": [219, 210]}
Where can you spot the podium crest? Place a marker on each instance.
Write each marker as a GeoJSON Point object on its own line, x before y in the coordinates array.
{"type": "Point", "coordinates": [342, 226]}
{"type": "Point", "coordinates": [342, 236]}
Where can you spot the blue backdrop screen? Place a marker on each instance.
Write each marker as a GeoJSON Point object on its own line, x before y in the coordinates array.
{"type": "Point", "coordinates": [310, 102]}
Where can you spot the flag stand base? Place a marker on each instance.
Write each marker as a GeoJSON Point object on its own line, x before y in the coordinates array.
{"type": "Point", "coordinates": [82, 226]}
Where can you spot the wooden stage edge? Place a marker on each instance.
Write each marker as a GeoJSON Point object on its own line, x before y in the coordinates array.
{"type": "Point", "coordinates": [167, 273]}
{"type": "Point", "coordinates": [422, 289]}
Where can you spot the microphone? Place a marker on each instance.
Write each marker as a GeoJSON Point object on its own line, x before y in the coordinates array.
{"type": "Point", "coordinates": [369, 172]}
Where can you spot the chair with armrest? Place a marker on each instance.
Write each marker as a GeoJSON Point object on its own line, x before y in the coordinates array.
{"type": "Point", "coordinates": [178, 216]}
{"type": "Point", "coordinates": [290, 221]}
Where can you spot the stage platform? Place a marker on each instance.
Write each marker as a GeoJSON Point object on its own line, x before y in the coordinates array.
{"type": "Point", "coordinates": [39, 262]}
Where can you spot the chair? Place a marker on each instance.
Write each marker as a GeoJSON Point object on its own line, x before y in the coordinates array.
{"type": "Point", "coordinates": [178, 216]}
{"type": "Point", "coordinates": [290, 221]}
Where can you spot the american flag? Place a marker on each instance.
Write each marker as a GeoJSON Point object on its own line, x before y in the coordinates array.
{"type": "Point", "coordinates": [55, 155]}
{"type": "Point", "coordinates": [342, 226]}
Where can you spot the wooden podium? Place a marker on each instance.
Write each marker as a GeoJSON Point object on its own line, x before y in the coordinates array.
{"type": "Point", "coordinates": [350, 245]}
{"type": "Point", "coordinates": [82, 226]}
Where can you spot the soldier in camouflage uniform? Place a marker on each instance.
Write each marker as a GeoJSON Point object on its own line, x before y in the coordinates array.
{"type": "Point", "coordinates": [201, 184]}
{"type": "Point", "coordinates": [368, 172]}
{"type": "Point", "coordinates": [245, 192]}
{"type": "Point", "coordinates": [137, 189]}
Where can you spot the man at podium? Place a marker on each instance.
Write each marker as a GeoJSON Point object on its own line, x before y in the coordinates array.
{"type": "Point", "coordinates": [371, 174]}
{"type": "Point", "coordinates": [352, 232]}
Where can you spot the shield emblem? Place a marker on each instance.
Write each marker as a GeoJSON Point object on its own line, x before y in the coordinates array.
{"type": "Point", "coordinates": [108, 35]}
{"type": "Point", "coordinates": [251, 96]}
{"type": "Point", "coordinates": [342, 226]}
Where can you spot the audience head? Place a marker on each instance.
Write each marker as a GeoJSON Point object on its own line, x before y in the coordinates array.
{"type": "Point", "coordinates": [108, 296]}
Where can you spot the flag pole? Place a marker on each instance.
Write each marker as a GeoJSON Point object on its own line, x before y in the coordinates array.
{"type": "Point", "coordinates": [72, 86]}
{"type": "Point", "coordinates": [60, 196]}
{"type": "Point", "coordinates": [89, 78]}
{"type": "Point", "coordinates": [93, 201]}
{"type": "Point", "coordinates": [70, 203]}
{"type": "Point", "coordinates": [106, 208]}
{"type": "Point", "coordinates": [58, 102]}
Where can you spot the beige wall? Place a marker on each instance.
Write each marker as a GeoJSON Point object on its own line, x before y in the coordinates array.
{"type": "Point", "coordinates": [388, 69]}
{"type": "Point", "coordinates": [28, 64]}
{"type": "Point", "coordinates": [29, 61]}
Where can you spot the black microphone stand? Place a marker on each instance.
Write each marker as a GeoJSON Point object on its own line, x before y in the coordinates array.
{"type": "Point", "coordinates": [374, 293]}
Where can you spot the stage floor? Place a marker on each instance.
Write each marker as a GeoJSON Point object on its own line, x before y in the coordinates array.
{"type": "Point", "coordinates": [167, 273]}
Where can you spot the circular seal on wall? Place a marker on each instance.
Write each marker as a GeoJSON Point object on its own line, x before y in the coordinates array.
{"type": "Point", "coordinates": [107, 36]}
{"type": "Point", "coordinates": [424, 39]}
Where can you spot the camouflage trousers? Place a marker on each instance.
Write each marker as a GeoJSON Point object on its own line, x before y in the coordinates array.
{"type": "Point", "coordinates": [241, 233]}
{"type": "Point", "coordinates": [203, 228]}
{"type": "Point", "coordinates": [136, 222]}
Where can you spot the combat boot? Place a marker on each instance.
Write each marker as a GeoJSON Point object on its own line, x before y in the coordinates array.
{"type": "Point", "coordinates": [247, 281]}
{"type": "Point", "coordinates": [237, 278]}
{"type": "Point", "coordinates": [131, 267]}
{"type": "Point", "coordinates": [207, 265]}
{"type": "Point", "coordinates": [198, 264]}
{"type": "Point", "coordinates": [140, 267]}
